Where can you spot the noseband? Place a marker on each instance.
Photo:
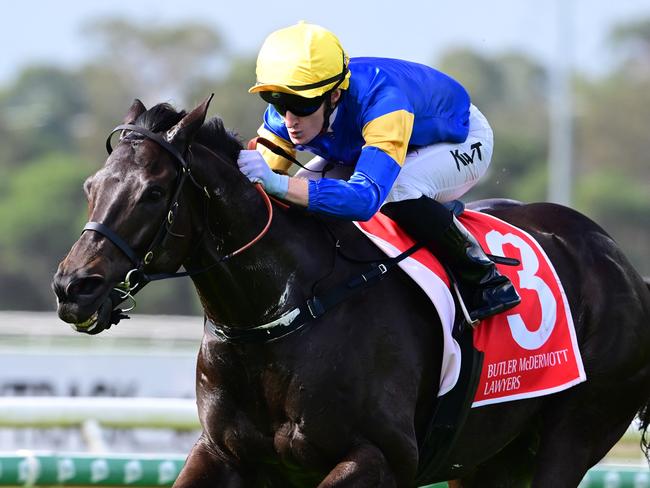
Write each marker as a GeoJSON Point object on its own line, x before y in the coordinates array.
{"type": "Point", "coordinates": [126, 289]}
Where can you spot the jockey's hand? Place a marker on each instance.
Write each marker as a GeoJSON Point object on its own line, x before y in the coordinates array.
{"type": "Point", "coordinates": [253, 165]}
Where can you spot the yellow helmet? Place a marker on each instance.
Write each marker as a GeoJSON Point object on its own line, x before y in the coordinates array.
{"type": "Point", "coordinates": [305, 60]}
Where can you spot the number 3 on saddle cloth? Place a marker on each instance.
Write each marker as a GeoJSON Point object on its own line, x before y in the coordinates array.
{"type": "Point", "coordinates": [528, 351]}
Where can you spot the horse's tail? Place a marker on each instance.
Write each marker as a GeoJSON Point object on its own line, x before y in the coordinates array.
{"type": "Point", "coordinates": [644, 412]}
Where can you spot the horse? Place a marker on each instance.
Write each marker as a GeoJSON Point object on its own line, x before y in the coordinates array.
{"type": "Point", "coordinates": [343, 400]}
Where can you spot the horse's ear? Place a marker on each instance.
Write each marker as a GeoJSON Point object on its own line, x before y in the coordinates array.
{"type": "Point", "coordinates": [183, 132]}
{"type": "Point", "coordinates": [137, 109]}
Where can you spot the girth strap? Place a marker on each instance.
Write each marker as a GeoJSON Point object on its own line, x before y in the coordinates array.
{"type": "Point", "coordinates": [312, 309]}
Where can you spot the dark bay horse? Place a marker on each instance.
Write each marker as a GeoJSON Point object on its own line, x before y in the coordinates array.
{"type": "Point", "coordinates": [344, 401]}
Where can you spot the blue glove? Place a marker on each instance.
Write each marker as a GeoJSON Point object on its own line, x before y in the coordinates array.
{"type": "Point", "coordinates": [253, 165]}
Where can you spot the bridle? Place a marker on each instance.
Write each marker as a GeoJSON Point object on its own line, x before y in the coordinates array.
{"type": "Point", "coordinates": [136, 278]}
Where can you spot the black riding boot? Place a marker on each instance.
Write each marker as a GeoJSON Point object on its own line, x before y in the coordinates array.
{"type": "Point", "coordinates": [484, 290]}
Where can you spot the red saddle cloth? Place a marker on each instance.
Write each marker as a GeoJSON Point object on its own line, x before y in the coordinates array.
{"type": "Point", "coordinates": [530, 350]}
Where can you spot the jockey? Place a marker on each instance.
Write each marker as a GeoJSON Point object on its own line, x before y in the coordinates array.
{"type": "Point", "coordinates": [402, 137]}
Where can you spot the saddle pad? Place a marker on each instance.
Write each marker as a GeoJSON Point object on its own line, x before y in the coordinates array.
{"type": "Point", "coordinates": [430, 276]}
{"type": "Point", "coordinates": [530, 350]}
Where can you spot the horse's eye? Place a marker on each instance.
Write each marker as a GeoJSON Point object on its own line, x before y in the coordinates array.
{"type": "Point", "coordinates": [153, 194]}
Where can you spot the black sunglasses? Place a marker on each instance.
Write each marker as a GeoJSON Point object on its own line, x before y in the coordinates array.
{"type": "Point", "coordinates": [299, 106]}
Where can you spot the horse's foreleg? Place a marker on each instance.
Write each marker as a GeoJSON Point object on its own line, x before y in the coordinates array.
{"type": "Point", "coordinates": [204, 469]}
{"type": "Point", "coordinates": [364, 466]}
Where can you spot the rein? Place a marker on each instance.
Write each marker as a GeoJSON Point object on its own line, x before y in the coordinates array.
{"type": "Point", "coordinates": [275, 149]}
{"type": "Point", "coordinates": [126, 289]}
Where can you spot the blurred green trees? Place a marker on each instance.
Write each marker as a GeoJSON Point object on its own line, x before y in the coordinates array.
{"type": "Point", "coordinates": [510, 90]}
{"type": "Point", "coordinates": [53, 123]}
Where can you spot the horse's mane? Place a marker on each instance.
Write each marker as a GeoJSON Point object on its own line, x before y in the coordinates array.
{"type": "Point", "coordinates": [212, 134]}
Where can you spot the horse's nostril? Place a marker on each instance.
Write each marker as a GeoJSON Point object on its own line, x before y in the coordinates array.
{"type": "Point", "coordinates": [59, 289]}
{"type": "Point", "coordinates": [84, 286]}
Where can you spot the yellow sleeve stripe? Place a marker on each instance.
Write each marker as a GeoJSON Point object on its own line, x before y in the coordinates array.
{"type": "Point", "coordinates": [273, 160]}
{"type": "Point", "coordinates": [390, 133]}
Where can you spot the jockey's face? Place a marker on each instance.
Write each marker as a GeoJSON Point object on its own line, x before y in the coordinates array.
{"type": "Point", "coordinates": [304, 129]}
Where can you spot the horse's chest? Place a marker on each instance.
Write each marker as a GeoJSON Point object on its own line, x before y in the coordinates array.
{"type": "Point", "coordinates": [293, 445]}
{"type": "Point", "coordinates": [284, 452]}
{"type": "Point", "coordinates": [282, 438]}
{"type": "Point", "coordinates": [286, 416]}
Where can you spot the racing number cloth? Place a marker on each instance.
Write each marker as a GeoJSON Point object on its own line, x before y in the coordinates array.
{"type": "Point", "coordinates": [530, 350]}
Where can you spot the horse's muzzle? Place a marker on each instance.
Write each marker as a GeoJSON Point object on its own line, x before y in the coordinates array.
{"type": "Point", "coordinates": [79, 296]}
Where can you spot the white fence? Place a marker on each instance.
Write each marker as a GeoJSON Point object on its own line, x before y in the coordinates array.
{"type": "Point", "coordinates": [169, 413]}
{"type": "Point", "coordinates": [92, 415]}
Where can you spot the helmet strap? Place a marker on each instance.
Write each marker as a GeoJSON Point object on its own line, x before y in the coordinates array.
{"type": "Point", "coordinates": [329, 107]}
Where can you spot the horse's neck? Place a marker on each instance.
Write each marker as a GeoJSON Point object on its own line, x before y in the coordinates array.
{"type": "Point", "coordinates": [269, 278]}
